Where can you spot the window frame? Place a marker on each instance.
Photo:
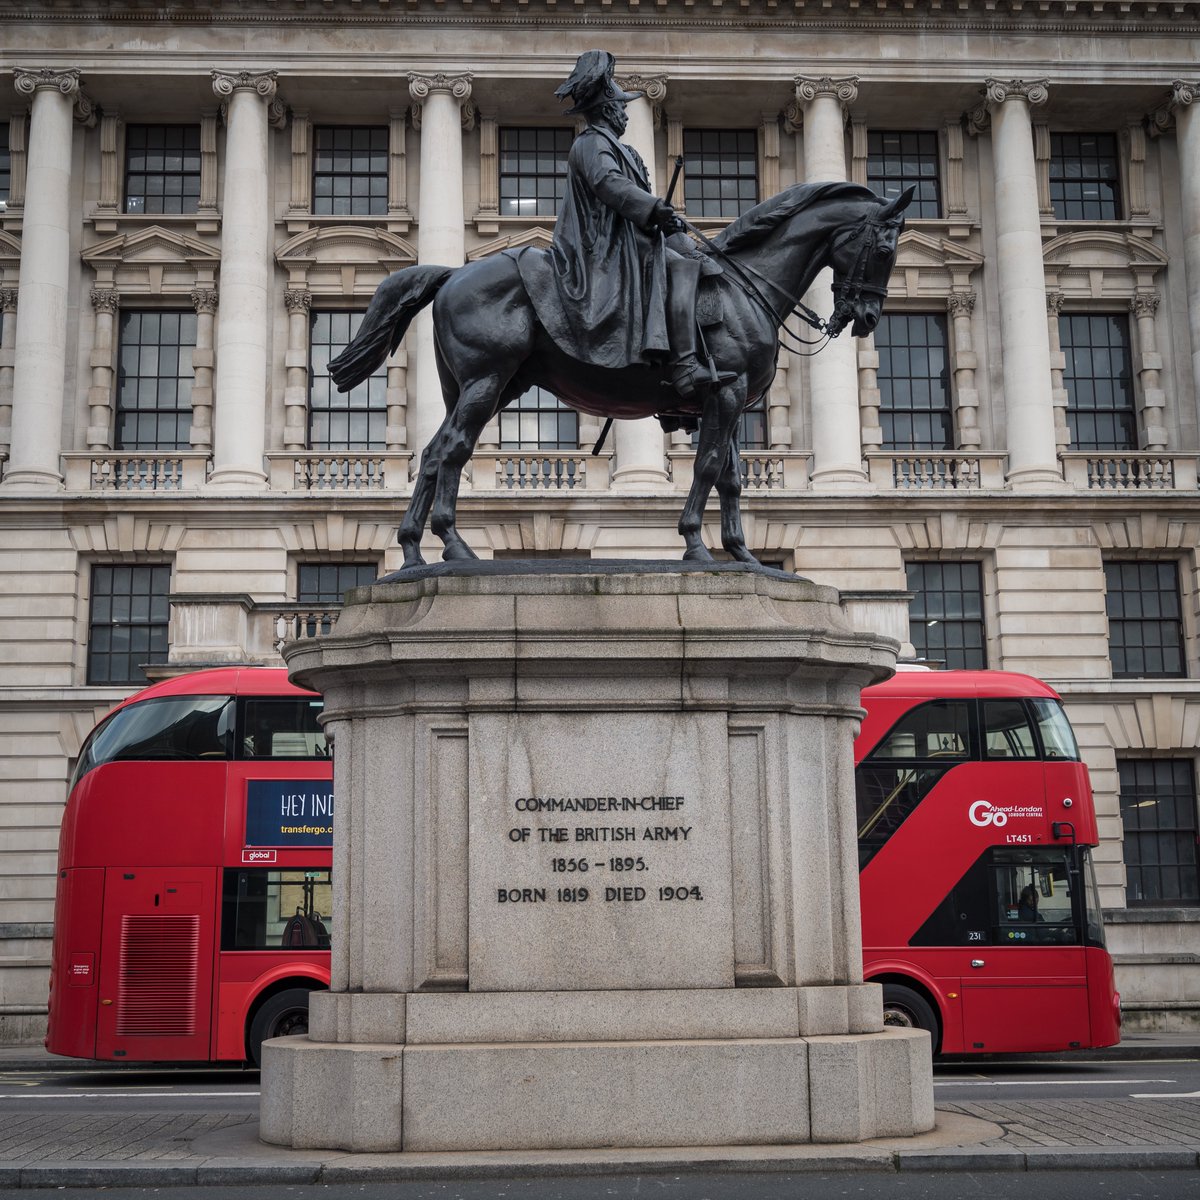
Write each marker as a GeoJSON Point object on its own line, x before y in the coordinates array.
{"type": "Point", "coordinates": [189, 203]}
{"type": "Point", "coordinates": [694, 177]}
{"type": "Point", "coordinates": [982, 620]}
{"type": "Point", "coordinates": [1189, 767]}
{"type": "Point", "coordinates": [1118, 182]}
{"type": "Point", "coordinates": [889, 411]}
{"type": "Point", "coordinates": [375, 382]}
{"type": "Point", "coordinates": [91, 676]}
{"type": "Point", "coordinates": [1067, 321]}
{"type": "Point", "coordinates": [897, 183]}
{"type": "Point", "coordinates": [1180, 620]}
{"type": "Point", "coordinates": [376, 202]}
{"type": "Point", "coordinates": [556, 412]}
{"type": "Point", "coordinates": [183, 379]}
{"type": "Point", "coordinates": [559, 178]}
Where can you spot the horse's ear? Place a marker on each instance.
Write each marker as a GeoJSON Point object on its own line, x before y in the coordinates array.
{"type": "Point", "coordinates": [893, 208]}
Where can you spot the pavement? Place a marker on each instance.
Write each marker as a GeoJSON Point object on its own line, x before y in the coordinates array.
{"type": "Point", "coordinates": [163, 1148]}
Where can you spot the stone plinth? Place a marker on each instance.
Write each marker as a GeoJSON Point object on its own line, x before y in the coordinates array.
{"type": "Point", "coordinates": [595, 869]}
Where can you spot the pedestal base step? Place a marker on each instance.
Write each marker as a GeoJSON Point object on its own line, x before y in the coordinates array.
{"type": "Point", "coordinates": [575, 1095]}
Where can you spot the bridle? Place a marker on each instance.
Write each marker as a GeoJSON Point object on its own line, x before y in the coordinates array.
{"type": "Point", "coordinates": [845, 294]}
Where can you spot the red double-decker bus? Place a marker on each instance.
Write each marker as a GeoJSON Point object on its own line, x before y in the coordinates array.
{"type": "Point", "coordinates": [980, 913]}
{"type": "Point", "coordinates": [193, 898]}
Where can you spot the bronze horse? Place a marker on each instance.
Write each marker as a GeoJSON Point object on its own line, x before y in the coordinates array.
{"type": "Point", "coordinates": [491, 348]}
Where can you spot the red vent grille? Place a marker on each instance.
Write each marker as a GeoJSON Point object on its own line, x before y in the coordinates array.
{"type": "Point", "coordinates": [158, 976]}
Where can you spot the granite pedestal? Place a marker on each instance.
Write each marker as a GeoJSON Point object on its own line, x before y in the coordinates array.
{"type": "Point", "coordinates": [595, 869]}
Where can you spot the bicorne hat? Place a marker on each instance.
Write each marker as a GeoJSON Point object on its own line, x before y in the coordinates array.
{"type": "Point", "coordinates": [591, 83]}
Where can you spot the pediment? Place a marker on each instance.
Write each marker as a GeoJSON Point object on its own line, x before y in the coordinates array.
{"type": "Point", "coordinates": [530, 237]}
{"type": "Point", "coordinates": [1091, 249]}
{"type": "Point", "coordinates": [154, 244]}
{"type": "Point", "coordinates": [918, 249]}
{"type": "Point", "coordinates": [10, 247]}
{"type": "Point", "coordinates": [335, 245]}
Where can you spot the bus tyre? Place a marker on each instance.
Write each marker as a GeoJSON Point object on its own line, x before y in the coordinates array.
{"type": "Point", "coordinates": [905, 1009]}
{"type": "Point", "coordinates": [281, 1015]}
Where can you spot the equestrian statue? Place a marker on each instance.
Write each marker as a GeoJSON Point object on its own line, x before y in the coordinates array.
{"type": "Point", "coordinates": [626, 316]}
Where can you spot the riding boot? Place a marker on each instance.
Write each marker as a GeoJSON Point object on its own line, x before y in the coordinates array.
{"type": "Point", "coordinates": [688, 374]}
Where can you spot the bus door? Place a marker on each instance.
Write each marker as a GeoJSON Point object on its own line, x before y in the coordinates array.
{"type": "Point", "coordinates": [1025, 986]}
{"type": "Point", "coordinates": [157, 955]}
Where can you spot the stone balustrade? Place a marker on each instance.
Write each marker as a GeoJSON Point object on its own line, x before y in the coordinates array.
{"type": "Point", "coordinates": [1130, 470]}
{"type": "Point", "coordinates": [935, 471]}
{"type": "Point", "coordinates": [552, 471]}
{"type": "Point", "coordinates": [338, 471]}
{"type": "Point", "coordinates": [135, 471]}
{"type": "Point", "coordinates": [762, 470]}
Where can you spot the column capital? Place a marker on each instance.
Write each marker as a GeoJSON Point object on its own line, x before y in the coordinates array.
{"type": "Point", "coordinates": [27, 82]}
{"type": "Point", "coordinates": [297, 300]}
{"type": "Point", "coordinates": [1182, 94]}
{"type": "Point", "coordinates": [264, 85]}
{"type": "Point", "coordinates": [653, 87]}
{"type": "Point", "coordinates": [8, 299]}
{"type": "Point", "coordinates": [1144, 304]}
{"type": "Point", "coordinates": [105, 300]}
{"type": "Point", "coordinates": [204, 300]}
{"type": "Point", "coordinates": [996, 91]}
{"type": "Point", "coordinates": [960, 304]}
{"type": "Point", "coordinates": [843, 89]}
{"type": "Point", "coordinates": [1054, 303]}
{"type": "Point", "coordinates": [457, 87]}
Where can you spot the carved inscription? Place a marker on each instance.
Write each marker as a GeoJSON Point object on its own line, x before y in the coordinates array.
{"type": "Point", "coordinates": [565, 844]}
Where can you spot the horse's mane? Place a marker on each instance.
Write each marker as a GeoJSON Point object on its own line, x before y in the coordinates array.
{"type": "Point", "coordinates": [750, 228]}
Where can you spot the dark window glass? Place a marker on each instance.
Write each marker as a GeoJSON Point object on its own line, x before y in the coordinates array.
{"type": "Point", "coordinates": [900, 772]}
{"type": "Point", "coordinates": [327, 583]}
{"type": "Point", "coordinates": [1009, 897]}
{"type": "Point", "coordinates": [1145, 620]}
{"type": "Point", "coordinates": [282, 727]}
{"type": "Point", "coordinates": [1099, 381]}
{"type": "Point", "coordinates": [751, 430]}
{"type": "Point", "coordinates": [897, 160]}
{"type": "Point", "coordinates": [945, 616]}
{"type": "Point", "coordinates": [276, 910]}
{"type": "Point", "coordinates": [538, 420]}
{"type": "Point", "coordinates": [154, 380]}
{"type": "Point", "coordinates": [1058, 738]}
{"type": "Point", "coordinates": [1158, 808]}
{"type": "Point", "coordinates": [1006, 730]}
{"type": "Point", "coordinates": [533, 171]}
{"type": "Point", "coordinates": [5, 164]}
{"type": "Point", "coordinates": [127, 628]}
{"type": "Point", "coordinates": [353, 420]}
{"type": "Point", "coordinates": [162, 168]}
{"type": "Point", "coordinates": [350, 170]}
{"type": "Point", "coordinates": [914, 382]}
{"type": "Point", "coordinates": [720, 171]}
{"type": "Point", "coordinates": [1085, 179]}
{"type": "Point", "coordinates": [175, 727]}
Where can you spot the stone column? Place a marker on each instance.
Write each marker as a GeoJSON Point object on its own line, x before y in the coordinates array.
{"type": "Point", "coordinates": [100, 434]}
{"type": "Point", "coordinates": [1032, 458]}
{"type": "Point", "coordinates": [40, 348]}
{"type": "Point", "coordinates": [204, 300]}
{"type": "Point", "coordinates": [639, 462]}
{"type": "Point", "coordinates": [441, 108]}
{"type": "Point", "coordinates": [1181, 105]}
{"type": "Point", "coordinates": [243, 332]}
{"type": "Point", "coordinates": [8, 325]}
{"type": "Point", "coordinates": [1058, 366]}
{"type": "Point", "coordinates": [833, 373]}
{"type": "Point", "coordinates": [1149, 368]}
{"type": "Point", "coordinates": [295, 395]}
{"type": "Point", "coordinates": [961, 306]}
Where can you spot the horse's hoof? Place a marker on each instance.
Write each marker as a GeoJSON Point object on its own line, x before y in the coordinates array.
{"type": "Point", "coordinates": [742, 554]}
{"type": "Point", "coordinates": [458, 550]}
{"type": "Point", "coordinates": [701, 555]}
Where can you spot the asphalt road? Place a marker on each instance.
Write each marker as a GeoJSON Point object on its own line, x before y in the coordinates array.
{"type": "Point", "coordinates": [842, 1185]}
{"type": "Point", "coordinates": [180, 1089]}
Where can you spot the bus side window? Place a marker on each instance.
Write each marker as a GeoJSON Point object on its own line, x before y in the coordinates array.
{"type": "Point", "coordinates": [1032, 899]}
{"type": "Point", "coordinates": [936, 730]}
{"type": "Point", "coordinates": [962, 918]}
{"type": "Point", "coordinates": [261, 909]}
{"type": "Point", "coordinates": [282, 727]}
{"type": "Point", "coordinates": [1006, 730]}
{"type": "Point", "coordinates": [1058, 738]}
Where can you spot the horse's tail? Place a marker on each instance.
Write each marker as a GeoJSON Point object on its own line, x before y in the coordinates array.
{"type": "Point", "coordinates": [396, 301]}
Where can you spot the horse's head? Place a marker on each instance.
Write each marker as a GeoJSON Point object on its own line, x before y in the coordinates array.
{"type": "Point", "coordinates": [862, 257]}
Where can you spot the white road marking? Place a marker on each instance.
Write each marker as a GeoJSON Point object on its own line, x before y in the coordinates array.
{"type": "Point", "coordinates": [119, 1095]}
{"type": "Point", "coordinates": [1164, 1095]}
{"type": "Point", "coordinates": [1050, 1083]}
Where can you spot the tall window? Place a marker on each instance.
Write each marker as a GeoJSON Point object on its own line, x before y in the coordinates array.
{"type": "Point", "coordinates": [154, 380]}
{"type": "Point", "coordinates": [1085, 178]}
{"type": "Point", "coordinates": [533, 171]}
{"type": "Point", "coordinates": [1158, 808]}
{"type": "Point", "coordinates": [162, 168]}
{"type": "Point", "coordinates": [538, 420]}
{"type": "Point", "coordinates": [353, 420]}
{"type": "Point", "coordinates": [945, 615]}
{"type": "Point", "coordinates": [914, 382]}
{"type": "Point", "coordinates": [350, 170]}
{"type": "Point", "coordinates": [327, 583]}
{"type": "Point", "coordinates": [1145, 619]}
{"type": "Point", "coordinates": [5, 165]}
{"type": "Point", "coordinates": [721, 171]}
{"type": "Point", "coordinates": [897, 160]}
{"type": "Point", "coordinates": [752, 427]}
{"type": "Point", "coordinates": [127, 628]}
{"type": "Point", "coordinates": [1099, 381]}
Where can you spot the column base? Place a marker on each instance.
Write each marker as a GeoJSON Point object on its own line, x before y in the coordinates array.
{"type": "Point", "coordinates": [238, 478]}
{"type": "Point", "coordinates": [641, 479]}
{"type": "Point", "coordinates": [559, 1096]}
{"type": "Point", "coordinates": [31, 480]}
{"type": "Point", "coordinates": [839, 479]}
{"type": "Point", "coordinates": [1036, 479]}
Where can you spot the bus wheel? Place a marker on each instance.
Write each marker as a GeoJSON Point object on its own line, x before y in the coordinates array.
{"type": "Point", "coordinates": [905, 1009]}
{"type": "Point", "coordinates": [281, 1015]}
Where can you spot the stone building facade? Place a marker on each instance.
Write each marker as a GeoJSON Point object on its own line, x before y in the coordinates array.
{"type": "Point", "coordinates": [197, 200]}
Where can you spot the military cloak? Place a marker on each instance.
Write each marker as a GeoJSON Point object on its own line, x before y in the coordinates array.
{"type": "Point", "coordinates": [600, 291]}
